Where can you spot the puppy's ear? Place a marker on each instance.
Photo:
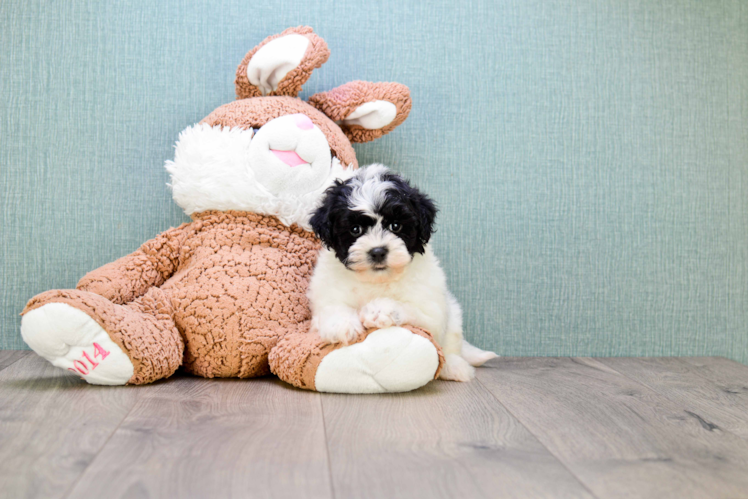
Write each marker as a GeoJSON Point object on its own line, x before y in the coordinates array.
{"type": "Point", "coordinates": [322, 218]}
{"type": "Point", "coordinates": [426, 216]}
{"type": "Point", "coordinates": [321, 224]}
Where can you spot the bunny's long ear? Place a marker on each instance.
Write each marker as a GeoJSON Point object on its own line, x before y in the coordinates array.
{"type": "Point", "coordinates": [365, 111]}
{"type": "Point", "coordinates": [281, 64]}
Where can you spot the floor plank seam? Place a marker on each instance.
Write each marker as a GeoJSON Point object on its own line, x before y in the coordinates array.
{"type": "Point", "coordinates": [643, 384]}
{"type": "Point", "coordinates": [327, 447]}
{"type": "Point", "coordinates": [653, 389]}
{"type": "Point", "coordinates": [563, 464]}
{"type": "Point", "coordinates": [692, 414]}
{"type": "Point", "coordinates": [15, 361]}
{"type": "Point", "coordinates": [689, 361]}
{"type": "Point", "coordinates": [101, 448]}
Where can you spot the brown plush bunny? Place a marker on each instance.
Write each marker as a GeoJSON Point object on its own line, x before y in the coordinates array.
{"type": "Point", "coordinates": [224, 295]}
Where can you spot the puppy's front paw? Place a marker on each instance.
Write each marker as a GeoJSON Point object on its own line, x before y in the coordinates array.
{"type": "Point", "coordinates": [457, 369]}
{"type": "Point", "coordinates": [338, 328]}
{"type": "Point", "coordinates": [382, 313]}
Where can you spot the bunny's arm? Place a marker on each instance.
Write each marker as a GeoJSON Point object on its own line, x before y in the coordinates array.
{"type": "Point", "coordinates": [129, 277]}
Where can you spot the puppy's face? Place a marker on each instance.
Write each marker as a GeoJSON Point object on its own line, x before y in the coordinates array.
{"type": "Point", "coordinates": [375, 222]}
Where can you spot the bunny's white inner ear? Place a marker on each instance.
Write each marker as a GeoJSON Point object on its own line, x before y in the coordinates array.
{"type": "Point", "coordinates": [372, 115]}
{"type": "Point", "coordinates": [275, 60]}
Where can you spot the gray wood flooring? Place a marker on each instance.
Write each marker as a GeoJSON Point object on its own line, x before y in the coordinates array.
{"type": "Point", "coordinates": [527, 427]}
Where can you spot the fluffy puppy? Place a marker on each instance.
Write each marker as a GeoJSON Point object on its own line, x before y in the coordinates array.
{"type": "Point", "coordinates": [377, 269]}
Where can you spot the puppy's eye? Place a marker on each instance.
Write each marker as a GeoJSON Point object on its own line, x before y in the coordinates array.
{"type": "Point", "coordinates": [395, 227]}
{"type": "Point", "coordinates": [356, 230]}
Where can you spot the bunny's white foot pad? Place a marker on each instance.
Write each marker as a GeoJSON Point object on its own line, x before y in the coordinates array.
{"type": "Point", "coordinates": [70, 339]}
{"type": "Point", "coordinates": [388, 360]}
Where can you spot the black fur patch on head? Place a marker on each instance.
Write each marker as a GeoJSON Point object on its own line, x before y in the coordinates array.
{"type": "Point", "coordinates": [333, 219]}
{"type": "Point", "coordinates": [415, 211]}
{"type": "Point", "coordinates": [402, 204]}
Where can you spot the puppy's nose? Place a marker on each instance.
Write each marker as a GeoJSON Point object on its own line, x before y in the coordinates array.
{"type": "Point", "coordinates": [378, 254]}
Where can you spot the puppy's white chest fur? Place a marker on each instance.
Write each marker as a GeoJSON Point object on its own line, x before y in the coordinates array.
{"type": "Point", "coordinates": [420, 289]}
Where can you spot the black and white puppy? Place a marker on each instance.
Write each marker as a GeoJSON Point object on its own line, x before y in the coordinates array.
{"type": "Point", "coordinates": [377, 269]}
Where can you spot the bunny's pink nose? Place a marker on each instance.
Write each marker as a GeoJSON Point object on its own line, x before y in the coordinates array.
{"type": "Point", "coordinates": [303, 122]}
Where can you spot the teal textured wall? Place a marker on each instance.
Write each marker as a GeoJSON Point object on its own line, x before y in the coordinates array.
{"type": "Point", "coordinates": [590, 158]}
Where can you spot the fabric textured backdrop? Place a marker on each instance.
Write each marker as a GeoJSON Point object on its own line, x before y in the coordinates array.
{"type": "Point", "coordinates": [590, 158]}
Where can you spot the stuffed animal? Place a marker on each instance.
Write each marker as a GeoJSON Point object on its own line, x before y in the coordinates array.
{"type": "Point", "coordinates": [225, 294]}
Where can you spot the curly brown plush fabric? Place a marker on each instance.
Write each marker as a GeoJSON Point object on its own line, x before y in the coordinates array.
{"type": "Point", "coordinates": [254, 113]}
{"type": "Point", "coordinates": [222, 289]}
{"type": "Point", "coordinates": [341, 101]}
{"type": "Point", "coordinates": [296, 357]}
{"type": "Point", "coordinates": [144, 329]}
{"type": "Point", "coordinates": [315, 56]}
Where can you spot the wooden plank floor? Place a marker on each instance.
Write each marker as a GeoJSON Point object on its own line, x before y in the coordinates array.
{"type": "Point", "coordinates": [527, 427]}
